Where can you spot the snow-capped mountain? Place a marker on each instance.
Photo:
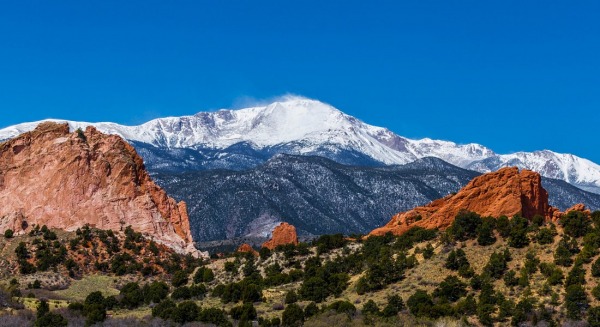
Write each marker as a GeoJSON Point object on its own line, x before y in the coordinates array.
{"type": "Point", "coordinates": [245, 138]}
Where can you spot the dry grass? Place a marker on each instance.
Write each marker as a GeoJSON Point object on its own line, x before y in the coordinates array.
{"type": "Point", "coordinates": [79, 289]}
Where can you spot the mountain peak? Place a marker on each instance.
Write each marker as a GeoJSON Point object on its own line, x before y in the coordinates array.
{"type": "Point", "coordinates": [301, 126]}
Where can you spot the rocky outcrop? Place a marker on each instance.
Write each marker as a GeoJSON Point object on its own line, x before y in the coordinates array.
{"type": "Point", "coordinates": [557, 215]}
{"type": "Point", "coordinates": [506, 192]}
{"type": "Point", "coordinates": [247, 248]}
{"type": "Point", "coordinates": [282, 235]}
{"type": "Point", "coordinates": [65, 180]}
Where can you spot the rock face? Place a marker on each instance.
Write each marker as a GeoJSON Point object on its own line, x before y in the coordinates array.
{"type": "Point", "coordinates": [505, 192]}
{"type": "Point", "coordinates": [282, 234]}
{"type": "Point", "coordinates": [247, 248]}
{"type": "Point", "coordinates": [65, 180]}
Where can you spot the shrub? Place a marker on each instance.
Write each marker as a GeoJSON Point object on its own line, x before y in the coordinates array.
{"type": "Point", "coordinates": [186, 311]}
{"type": "Point", "coordinates": [51, 319]}
{"type": "Point", "coordinates": [131, 295]}
{"type": "Point", "coordinates": [450, 289]}
{"type": "Point", "coordinates": [553, 274]}
{"type": "Point", "coordinates": [291, 297]}
{"type": "Point", "coordinates": [243, 312]}
{"type": "Point", "coordinates": [594, 317]}
{"type": "Point", "coordinates": [164, 309]}
{"type": "Point", "coordinates": [575, 301]}
{"type": "Point", "coordinates": [545, 236]}
{"type": "Point", "coordinates": [510, 278]}
{"type": "Point", "coordinates": [214, 316]}
{"type": "Point", "coordinates": [155, 292]}
{"type": "Point", "coordinates": [496, 266]}
{"type": "Point", "coordinates": [204, 275]}
{"type": "Point", "coordinates": [467, 306]}
{"type": "Point", "coordinates": [393, 307]}
{"type": "Point", "coordinates": [420, 303]}
{"type": "Point", "coordinates": [485, 232]}
{"type": "Point", "coordinates": [428, 251]}
{"type": "Point", "coordinates": [576, 275]}
{"type": "Point", "coordinates": [94, 308]}
{"type": "Point", "coordinates": [575, 223]}
{"type": "Point", "coordinates": [251, 293]}
{"type": "Point", "coordinates": [311, 310]}
{"type": "Point", "coordinates": [198, 290]}
{"type": "Point", "coordinates": [370, 308]}
{"type": "Point", "coordinates": [180, 278]}
{"type": "Point", "coordinates": [326, 243]}
{"type": "Point", "coordinates": [596, 292]}
{"type": "Point", "coordinates": [456, 260]}
{"type": "Point", "coordinates": [503, 226]}
{"type": "Point", "coordinates": [8, 233]}
{"type": "Point", "coordinates": [229, 266]}
{"type": "Point", "coordinates": [562, 255]}
{"type": "Point", "coordinates": [75, 306]}
{"type": "Point", "coordinates": [343, 307]}
{"type": "Point", "coordinates": [517, 237]}
{"type": "Point", "coordinates": [181, 293]}
{"type": "Point", "coordinates": [595, 269]}
{"type": "Point", "coordinates": [465, 226]}
{"type": "Point", "coordinates": [292, 315]}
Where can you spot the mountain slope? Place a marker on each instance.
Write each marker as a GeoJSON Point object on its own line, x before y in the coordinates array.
{"type": "Point", "coordinates": [314, 194]}
{"type": "Point", "coordinates": [245, 138]}
{"type": "Point", "coordinates": [320, 196]}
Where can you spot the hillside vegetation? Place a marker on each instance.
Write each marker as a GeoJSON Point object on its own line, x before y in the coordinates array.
{"type": "Point", "coordinates": [480, 271]}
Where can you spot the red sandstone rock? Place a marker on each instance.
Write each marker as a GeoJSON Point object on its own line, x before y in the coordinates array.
{"type": "Point", "coordinates": [505, 192]}
{"type": "Point", "coordinates": [556, 215]}
{"type": "Point", "coordinates": [65, 180]}
{"type": "Point", "coordinates": [579, 207]}
{"type": "Point", "coordinates": [282, 234]}
{"type": "Point", "coordinates": [246, 248]}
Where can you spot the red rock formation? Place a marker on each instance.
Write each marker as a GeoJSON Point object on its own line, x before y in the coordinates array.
{"type": "Point", "coordinates": [578, 207]}
{"type": "Point", "coordinates": [282, 234]}
{"type": "Point", "coordinates": [505, 192]}
{"type": "Point", "coordinates": [246, 248]}
{"type": "Point", "coordinates": [65, 180]}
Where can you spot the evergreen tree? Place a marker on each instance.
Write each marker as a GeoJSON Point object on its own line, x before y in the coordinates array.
{"type": "Point", "coordinates": [292, 316]}
{"type": "Point", "coordinates": [394, 305]}
{"type": "Point", "coordinates": [575, 223]}
{"type": "Point", "coordinates": [503, 226]}
{"type": "Point", "coordinates": [291, 297]}
{"type": "Point", "coordinates": [562, 255]}
{"type": "Point", "coordinates": [465, 226]}
{"type": "Point", "coordinates": [456, 259]}
{"type": "Point", "coordinates": [420, 303]}
{"type": "Point", "coordinates": [575, 301]}
{"type": "Point", "coordinates": [370, 308]}
{"type": "Point", "coordinates": [450, 289]}
{"type": "Point", "coordinates": [594, 317]}
{"type": "Point", "coordinates": [485, 232]}
{"type": "Point", "coordinates": [496, 266]}
{"type": "Point", "coordinates": [518, 233]}
{"type": "Point", "coordinates": [595, 269]}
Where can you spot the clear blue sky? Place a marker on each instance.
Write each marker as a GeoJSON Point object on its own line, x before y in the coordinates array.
{"type": "Point", "coordinates": [512, 75]}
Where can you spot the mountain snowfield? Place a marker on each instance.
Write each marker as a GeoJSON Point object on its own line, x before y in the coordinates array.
{"type": "Point", "coordinates": [300, 126]}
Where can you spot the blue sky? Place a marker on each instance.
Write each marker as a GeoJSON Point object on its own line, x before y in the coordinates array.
{"type": "Point", "coordinates": [512, 75]}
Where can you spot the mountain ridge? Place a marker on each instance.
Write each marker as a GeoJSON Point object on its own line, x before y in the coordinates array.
{"type": "Point", "coordinates": [244, 138]}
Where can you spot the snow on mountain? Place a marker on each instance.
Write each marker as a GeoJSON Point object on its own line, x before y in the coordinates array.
{"type": "Point", "coordinates": [301, 126]}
